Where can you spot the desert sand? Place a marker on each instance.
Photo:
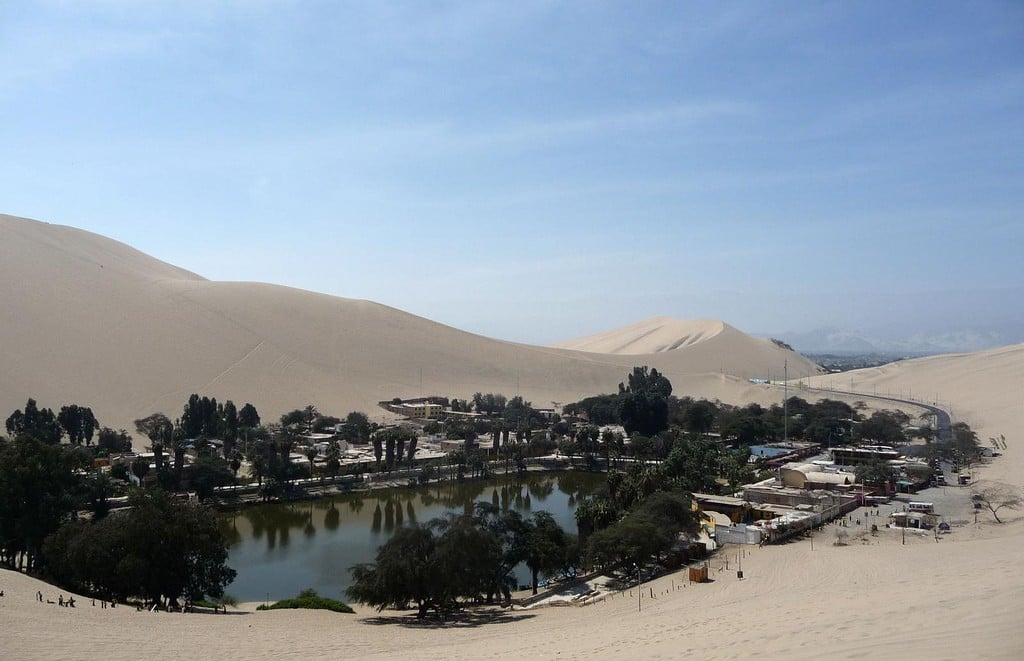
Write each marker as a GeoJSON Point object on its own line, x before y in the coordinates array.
{"type": "Point", "coordinates": [94, 322]}
{"type": "Point", "coordinates": [148, 334]}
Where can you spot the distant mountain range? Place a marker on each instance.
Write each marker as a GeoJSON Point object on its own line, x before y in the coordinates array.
{"type": "Point", "coordinates": [835, 340]}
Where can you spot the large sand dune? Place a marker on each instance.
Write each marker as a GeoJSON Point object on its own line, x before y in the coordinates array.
{"type": "Point", "coordinates": [92, 321]}
{"type": "Point", "coordinates": [654, 335]}
{"type": "Point", "coordinates": [144, 331]}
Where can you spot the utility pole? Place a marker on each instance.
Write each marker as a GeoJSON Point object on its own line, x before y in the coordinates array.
{"type": "Point", "coordinates": [785, 400]}
{"type": "Point", "coordinates": [638, 607]}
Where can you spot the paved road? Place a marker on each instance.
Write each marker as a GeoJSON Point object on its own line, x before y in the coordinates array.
{"type": "Point", "coordinates": [943, 423]}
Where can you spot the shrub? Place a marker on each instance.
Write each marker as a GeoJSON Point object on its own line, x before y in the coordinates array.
{"type": "Point", "coordinates": [309, 599]}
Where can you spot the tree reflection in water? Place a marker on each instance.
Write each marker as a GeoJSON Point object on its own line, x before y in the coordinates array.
{"type": "Point", "coordinates": [259, 536]}
{"type": "Point", "coordinates": [333, 517]}
{"type": "Point", "coordinates": [377, 516]}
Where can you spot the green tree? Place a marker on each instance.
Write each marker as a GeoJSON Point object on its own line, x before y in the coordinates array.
{"type": "Point", "coordinates": [78, 422]}
{"type": "Point", "coordinates": [964, 444]}
{"type": "Point", "coordinates": [876, 473]}
{"type": "Point", "coordinates": [155, 549]}
{"type": "Point", "coordinates": [194, 414]}
{"type": "Point", "coordinates": [598, 410]}
{"type": "Point", "coordinates": [140, 467]}
{"type": "Point", "coordinates": [38, 482]}
{"type": "Point", "coordinates": [38, 423]}
{"type": "Point", "coordinates": [229, 426]}
{"type": "Point", "coordinates": [378, 448]}
{"type": "Point", "coordinates": [510, 529]}
{"type": "Point", "coordinates": [113, 442]}
{"type": "Point", "coordinates": [311, 453]}
{"type": "Point", "coordinates": [248, 417]}
{"type": "Point", "coordinates": [547, 546]}
{"type": "Point", "coordinates": [158, 428]}
{"type": "Point", "coordinates": [884, 427]}
{"type": "Point", "coordinates": [650, 530]}
{"type": "Point", "coordinates": [403, 573]}
{"type": "Point", "coordinates": [333, 459]}
{"type": "Point", "coordinates": [644, 402]}
{"type": "Point", "coordinates": [744, 426]}
{"type": "Point", "coordinates": [357, 427]}
{"type": "Point", "coordinates": [98, 489]}
{"type": "Point", "coordinates": [206, 474]}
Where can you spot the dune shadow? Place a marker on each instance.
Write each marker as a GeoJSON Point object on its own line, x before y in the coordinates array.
{"type": "Point", "coordinates": [460, 620]}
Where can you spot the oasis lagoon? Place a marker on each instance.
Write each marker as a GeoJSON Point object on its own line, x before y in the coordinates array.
{"type": "Point", "coordinates": [279, 549]}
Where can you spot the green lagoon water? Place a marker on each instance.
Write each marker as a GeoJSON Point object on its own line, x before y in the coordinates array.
{"type": "Point", "coordinates": [280, 549]}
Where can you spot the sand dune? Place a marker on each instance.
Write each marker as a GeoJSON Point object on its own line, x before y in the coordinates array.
{"type": "Point", "coordinates": [143, 332]}
{"type": "Point", "coordinates": [654, 335]}
{"type": "Point", "coordinates": [985, 389]}
{"type": "Point", "coordinates": [95, 322]}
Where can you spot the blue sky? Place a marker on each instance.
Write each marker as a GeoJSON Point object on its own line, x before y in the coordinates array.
{"type": "Point", "coordinates": [537, 171]}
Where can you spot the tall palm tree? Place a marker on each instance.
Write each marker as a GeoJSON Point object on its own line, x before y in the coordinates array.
{"type": "Point", "coordinates": [311, 455]}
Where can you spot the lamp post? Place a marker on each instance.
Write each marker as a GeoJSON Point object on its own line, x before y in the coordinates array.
{"type": "Point", "coordinates": [637, 567]}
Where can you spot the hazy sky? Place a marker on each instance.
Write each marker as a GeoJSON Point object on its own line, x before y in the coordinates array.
{"type": "Point", "coordinates": [537, 171]}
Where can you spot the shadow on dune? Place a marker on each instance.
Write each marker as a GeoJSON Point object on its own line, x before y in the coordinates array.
{"type": "Point", "coordinates": [460, 620]}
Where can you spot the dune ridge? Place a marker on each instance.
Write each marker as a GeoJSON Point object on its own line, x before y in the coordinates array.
{"type": "Point", "coordinates": [654, 335]}
{"type": "Point", "coordinates": [98, 323]}
{"type": "Point", "coordinates": [959, 598]}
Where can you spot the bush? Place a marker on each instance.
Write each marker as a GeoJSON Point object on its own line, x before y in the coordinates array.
{"type": "Point", "coordinates": [309, 599]}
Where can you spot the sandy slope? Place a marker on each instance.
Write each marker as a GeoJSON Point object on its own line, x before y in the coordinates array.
{"type": "Point", "coordinates": [959, 598]}
{"type": "Point", "coordinates": [92, 321]}
{"type": "Point", "coordinates": [951, 600]}
{"type": "Point", "coordinates": [956, 599]}
{"type": "Point", "coordinates": [654, 335]}
{"type": "Point", "coordinates": [985, 389]}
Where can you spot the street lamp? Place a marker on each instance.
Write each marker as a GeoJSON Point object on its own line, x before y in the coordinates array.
{"type": "Point", "coordinates": [637, 568]}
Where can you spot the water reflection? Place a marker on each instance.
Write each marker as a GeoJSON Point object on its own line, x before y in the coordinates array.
{"type": "Point", "coordinates": [270, 560]}
{"type": "Point", "coordinates": [333, 517]}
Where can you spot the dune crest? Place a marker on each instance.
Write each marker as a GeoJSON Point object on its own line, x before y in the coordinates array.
{"type": "Point", "coordinates": [92, 321]}
{"type": "Point", "coordinates": [653, 335]}
{"type": "Point", "coordinates": [95, 322]}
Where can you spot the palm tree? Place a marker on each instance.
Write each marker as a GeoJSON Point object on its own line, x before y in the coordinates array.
{"type": "Point", "coordinates": [311, 453]}
{"type": "Point", "coordinates": [333, 458]}
{"type": "Point", "coordinates": [311, 415]}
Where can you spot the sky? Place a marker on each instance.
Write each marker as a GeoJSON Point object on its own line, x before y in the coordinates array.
{"type": "Point", "coordinates": [539, 171]}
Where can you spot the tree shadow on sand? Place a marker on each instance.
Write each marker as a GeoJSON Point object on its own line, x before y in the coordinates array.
{"type": "Point", "coordinates": [461, 620]}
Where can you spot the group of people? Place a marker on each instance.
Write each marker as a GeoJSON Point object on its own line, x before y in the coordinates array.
{"type": "Point", "coordinates": [70, 601]}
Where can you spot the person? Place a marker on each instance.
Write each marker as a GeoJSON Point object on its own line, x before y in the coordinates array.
{"type": "Point", "coordinates": [39, 596]}
{"type": "Point", "coordinates": [60, 600]}
{"type": "Point", "coordinates": [71, 602]}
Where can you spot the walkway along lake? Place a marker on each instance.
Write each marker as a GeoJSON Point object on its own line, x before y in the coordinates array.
{"type": "Point", "coordinates": [281, 548]}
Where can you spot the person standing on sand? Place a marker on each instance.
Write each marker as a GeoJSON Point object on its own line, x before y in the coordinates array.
{"type": "Point", "coordinates": [39, 596]}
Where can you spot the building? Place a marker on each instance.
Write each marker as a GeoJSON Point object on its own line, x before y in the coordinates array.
{"type": "Point", "coordinates": [422, 410]}
{"type": "Point", "coordinates": [852, 456]}
{"type": "Point", "coordinates": [815, 476]}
